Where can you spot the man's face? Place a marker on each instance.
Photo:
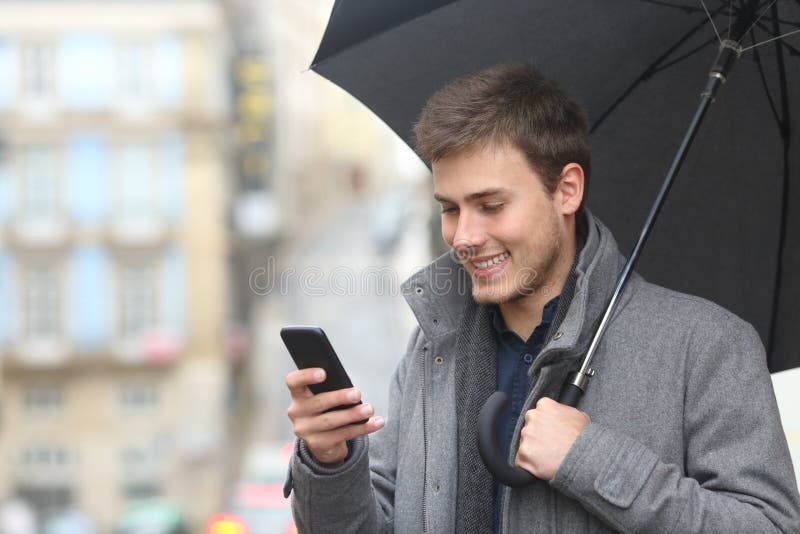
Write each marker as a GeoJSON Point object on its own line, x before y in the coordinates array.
{"type": "Point", "coordinates": [500, 220]}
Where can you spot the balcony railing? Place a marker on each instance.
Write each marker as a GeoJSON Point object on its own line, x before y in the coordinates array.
{"type": "Point", "coordinates": [45, 232]}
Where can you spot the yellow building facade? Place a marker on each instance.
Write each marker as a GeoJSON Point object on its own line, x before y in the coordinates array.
{"type": "Point", "coordinates": [114, 127]}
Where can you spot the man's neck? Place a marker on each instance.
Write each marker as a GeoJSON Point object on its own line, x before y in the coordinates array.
{"type": "Point", "coordinates": [523, 315]}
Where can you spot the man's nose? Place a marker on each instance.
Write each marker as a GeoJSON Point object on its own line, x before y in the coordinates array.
{"type": "Point", "coordinates": [470, 235]}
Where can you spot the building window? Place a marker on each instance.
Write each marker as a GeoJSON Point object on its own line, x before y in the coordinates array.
{"type": "Point", "coordinates": [138, 397]}
{"type": "Point", "coordinates": [137, 286]}
{"type": "Point", "coordinates": [38, 71]}
{"type": "Point", "coordinates": [40, 399]}
{"type": "Point", "coordinates": [39, 182]}
{"type": "Point", "coordinates": [47, 499]}
{"type": "Point", "coordinates": [42, 302]}
{"type": "Point", "coordinates": [135, 59]}
{"type": "Point", "coordinates": [45, 458]}
{"type": "Point", "coordinates": [139, 461]}
{"type": "Point", "coordinates": [140, 472]}
{"type": "Point", "coordinates": [47, 472]}
{"type": "Point", "coordinates": [136, 184]}
{"type": "Point", "coordinates": [140, 490]}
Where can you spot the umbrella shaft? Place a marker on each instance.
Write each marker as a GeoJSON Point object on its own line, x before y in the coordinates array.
{"type": "Point", "coordinates": [719, 71]}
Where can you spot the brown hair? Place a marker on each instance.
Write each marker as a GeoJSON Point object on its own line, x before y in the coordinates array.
{"type": "Point", "coordinates": [507, 103]}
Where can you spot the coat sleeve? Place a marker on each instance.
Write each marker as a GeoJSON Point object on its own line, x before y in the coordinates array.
{"type": "Point", "coordinates": [737, 474]}
{"type": "Point", "coordinates": [357, 496]}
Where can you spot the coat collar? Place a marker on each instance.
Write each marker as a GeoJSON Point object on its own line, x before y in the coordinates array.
{"type": "Point", "coordinates": [438, 293]}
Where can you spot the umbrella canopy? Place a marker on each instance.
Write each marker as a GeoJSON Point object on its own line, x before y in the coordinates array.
{"type": "Point", "coordinates": [730, 230]}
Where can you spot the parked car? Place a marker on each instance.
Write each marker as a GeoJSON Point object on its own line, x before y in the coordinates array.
{"type": "Point", "coordinates": [257, 502]}
{"type": "Point", "coordinates": [152, 516]}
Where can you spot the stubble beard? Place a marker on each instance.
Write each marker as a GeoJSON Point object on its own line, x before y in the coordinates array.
{"type": "Point", "coordinates": [533, 277]}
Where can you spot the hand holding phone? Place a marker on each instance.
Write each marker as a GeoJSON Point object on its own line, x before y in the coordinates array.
{"type": "Point", "coordinates": [326, 410]}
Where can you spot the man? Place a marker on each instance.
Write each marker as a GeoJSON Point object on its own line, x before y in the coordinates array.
{"type": "Point", "coordinates": [678, 432]}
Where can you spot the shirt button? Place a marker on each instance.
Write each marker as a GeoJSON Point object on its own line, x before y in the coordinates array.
{"type": "Point", "coordinates": [528, 358]}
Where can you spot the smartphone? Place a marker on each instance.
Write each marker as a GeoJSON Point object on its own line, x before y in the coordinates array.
{"type": "Point", "coordinates": [309, 347]}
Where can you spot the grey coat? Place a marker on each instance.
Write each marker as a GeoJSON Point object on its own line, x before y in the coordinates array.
{"type": "Point", "coordinates": [685, 433]}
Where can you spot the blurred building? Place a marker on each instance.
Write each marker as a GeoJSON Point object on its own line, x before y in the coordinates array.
{"type": "Point", "coordinates": [327, 153]}
{"type": "Point", "coordinates": [114, 158]}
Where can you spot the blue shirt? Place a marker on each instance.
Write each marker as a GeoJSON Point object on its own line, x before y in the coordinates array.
{"type": "Point", "coordinates": [514, 359]}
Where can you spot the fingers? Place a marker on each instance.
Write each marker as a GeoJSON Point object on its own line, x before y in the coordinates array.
{"type": "Point", "coordinates": [310, 406]}
{"type": "Point", "coordinates": [549, 408]}
{"type": "Point", "coordinates": [328, 440]}
{"type": "Point", "coordinates": [323, 422]}
{"type": "Point", "coordinates": [549, 432]}
{"type": "Point", "coordinates": [298, 381]}
{"type": "Point", "coordinates": [324, 429]}
{"type": "Point", "coordinates": [546, 402]}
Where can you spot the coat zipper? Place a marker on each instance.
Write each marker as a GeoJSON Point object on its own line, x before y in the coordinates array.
{"type": "Point", "coordinates": [424, 442]}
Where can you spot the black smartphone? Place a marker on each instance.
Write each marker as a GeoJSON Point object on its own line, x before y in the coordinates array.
{"type": "Point", "coordinates": [309, 347]}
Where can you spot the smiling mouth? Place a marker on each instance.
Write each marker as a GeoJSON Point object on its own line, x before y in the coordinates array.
{"type": "Point", "coordinates": [490, 265]}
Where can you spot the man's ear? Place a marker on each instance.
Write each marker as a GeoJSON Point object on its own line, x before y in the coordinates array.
{"type": "Point", "coordinates": [569, 192]}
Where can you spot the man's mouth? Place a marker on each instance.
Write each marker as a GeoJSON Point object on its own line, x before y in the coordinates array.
{"type": "Point", "coordinates": [487, 266]}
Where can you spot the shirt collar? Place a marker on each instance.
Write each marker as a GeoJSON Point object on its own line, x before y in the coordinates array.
{"type": "Point", "coordinates": [547, 316]}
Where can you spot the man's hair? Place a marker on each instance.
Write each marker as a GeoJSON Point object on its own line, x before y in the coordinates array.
{"type": "Point", "coordinates": [507, 103]}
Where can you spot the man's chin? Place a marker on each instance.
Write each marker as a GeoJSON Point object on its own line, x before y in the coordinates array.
{"type": "Point", "coordinates": [487, 296]}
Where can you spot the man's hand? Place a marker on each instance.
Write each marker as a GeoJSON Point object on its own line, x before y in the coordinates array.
{"type": "Point", "coordinates": [550, 430]}
{"type": "Point", "coordinates": [326, 434]}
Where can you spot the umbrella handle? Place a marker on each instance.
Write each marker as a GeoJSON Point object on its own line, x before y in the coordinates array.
{"type": "Point", "coordinates": [489, 418]}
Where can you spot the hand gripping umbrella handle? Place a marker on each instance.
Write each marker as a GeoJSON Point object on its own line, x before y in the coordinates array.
{"type": "Point", "coordinates": [489, 418]}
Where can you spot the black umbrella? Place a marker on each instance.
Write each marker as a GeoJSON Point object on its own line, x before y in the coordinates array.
{"type": "Point", "coordinates": [637, 66]}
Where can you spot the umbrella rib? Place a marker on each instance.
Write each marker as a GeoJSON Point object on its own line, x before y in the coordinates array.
{"type": "Point", "coordinates": [687, 9]}
{"type": "Point", "coordinates": [764, 19]}
{"type": "Point", "coordinates": [792, 50]}
{"type": "Point", "coordinates": [786, 134]}
{"type": "Point", "coordinates": [770, 99]}
{"type": "Point", "coordinates": [648, 71]}
{"type": "Point", "coordinates": [730, 18]}
{"type": "Point", "coordinates": [778, 38]}
{"type": "Point", "coordinates": [772, 3]}
{"type": "Point", "coordinates": [711, 20]}
{"type": "Point", "coordinates": [682, 57]}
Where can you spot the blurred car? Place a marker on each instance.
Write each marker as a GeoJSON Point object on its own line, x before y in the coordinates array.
{"type": "Point", "coordinates": [152, 516]}
{"type": "Point", "coordinates": [17, 517]}
{"type": "Point", "coordinates": [70, 521]}
{"type": "Point", "coordinates": [389, 218]}
{"type": "Point", "coordinates": [257, 505]}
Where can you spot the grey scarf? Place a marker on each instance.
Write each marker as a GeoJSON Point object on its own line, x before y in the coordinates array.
{"type": "Point", "coordinates": [476, 380]}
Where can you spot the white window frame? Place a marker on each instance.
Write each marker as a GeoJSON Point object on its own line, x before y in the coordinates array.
{"type": "Point", "coordinates": [43, 399]}
{"type": "Point", "coordinates": [54, 316]}
{"type": "Point", "coordinates": [124, 154]}
{"type": "Point", "coordinates": [48, 175]}
{"type": "Point", "coordinates": [38, 76]}
{"type": "Point", "coordinates": [124, 307]}
{"type": "Point", "coordinates": [138, 397]}
{"type": "Point", "coordinates": [136, 56]}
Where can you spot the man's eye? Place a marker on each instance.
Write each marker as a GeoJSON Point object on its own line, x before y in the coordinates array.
{"type": "Point", "coordinates": [493, 207]}
{"type": "Point", "coordinates": [451, 209]}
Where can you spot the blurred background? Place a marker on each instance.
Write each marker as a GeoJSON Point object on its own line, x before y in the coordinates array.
{"type": "Point", "coordinates": [175, 186]}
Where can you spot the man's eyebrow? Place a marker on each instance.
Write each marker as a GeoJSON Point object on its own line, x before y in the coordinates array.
{"type": "Point", "coordinates": [473, 196]}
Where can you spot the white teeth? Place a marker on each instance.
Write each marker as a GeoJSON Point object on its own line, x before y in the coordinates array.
{"type": "Point", "coordinates": [491, 261]}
